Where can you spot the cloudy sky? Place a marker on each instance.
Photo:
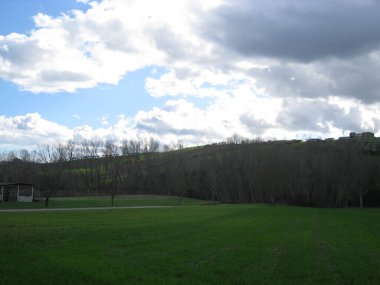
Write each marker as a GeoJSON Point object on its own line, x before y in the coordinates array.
{"type": "Point", "coordinates": [190, 70]}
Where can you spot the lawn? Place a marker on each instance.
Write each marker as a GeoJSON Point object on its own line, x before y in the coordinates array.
{"type": "Point", "coordinates": [209, 244]}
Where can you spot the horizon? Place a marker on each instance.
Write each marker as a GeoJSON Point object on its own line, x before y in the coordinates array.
{"type": "Point", "coordinates": [115, 148]}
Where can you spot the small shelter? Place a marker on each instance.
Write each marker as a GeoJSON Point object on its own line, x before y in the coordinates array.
{"type": "Point", "coordinates": [16, 192]}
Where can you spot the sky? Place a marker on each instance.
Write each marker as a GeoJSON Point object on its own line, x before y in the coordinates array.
{"type": "Point", "coordinates": [190, 70]}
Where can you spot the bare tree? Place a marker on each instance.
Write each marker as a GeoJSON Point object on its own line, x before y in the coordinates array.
{"type": "Point", "coordinates": [110, 148]}
{"type": "Point", "coordinates": [25, 155]}
{"type": "Point", "coordinates": [124, 148]}
{"type": "Point", "coordinates": [48, 172]}
{"type": "Point", "coordinates": [135, 146]}
{"type": "Point", "coordinates": [91, 148]}
{"type": "Point", "coordinates": [154, 145]}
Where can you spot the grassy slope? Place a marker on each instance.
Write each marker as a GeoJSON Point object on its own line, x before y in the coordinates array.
{"type": "Point", "coordinates": [225, 244]}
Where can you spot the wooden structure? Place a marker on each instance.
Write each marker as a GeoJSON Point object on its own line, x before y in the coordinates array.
{"type": "Point", "coordinates": [16, 192]}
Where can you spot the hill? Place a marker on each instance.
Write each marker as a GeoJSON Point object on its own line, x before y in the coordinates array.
{"type": "Point", "coordinates": [315, 173]}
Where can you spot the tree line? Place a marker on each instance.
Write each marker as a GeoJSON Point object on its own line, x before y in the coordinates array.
{"type": "Point", "coordinates": [318, 173]}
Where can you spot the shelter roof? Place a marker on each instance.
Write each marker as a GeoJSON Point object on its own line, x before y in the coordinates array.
{"type": "Point", "coordinates": [15, 184]}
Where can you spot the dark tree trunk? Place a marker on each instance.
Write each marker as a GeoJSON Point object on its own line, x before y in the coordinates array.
{"type": "Point", "coordinates": [47, 202]}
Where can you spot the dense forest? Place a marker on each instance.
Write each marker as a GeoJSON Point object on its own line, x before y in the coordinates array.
{"type": "Point", "coordinates": [315, 173]}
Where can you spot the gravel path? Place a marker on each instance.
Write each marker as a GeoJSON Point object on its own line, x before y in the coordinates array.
{"type": "Point", "coordinates": [82, 209]}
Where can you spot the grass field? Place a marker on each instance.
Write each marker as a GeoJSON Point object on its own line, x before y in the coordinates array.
{"type": "Point", "coordinates": [218, 244]}
{"type": "Point", "coordinates": [104, 201]}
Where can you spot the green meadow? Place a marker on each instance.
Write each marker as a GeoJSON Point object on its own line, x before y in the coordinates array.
{"type": "Point", "coordinates": [195, 244]}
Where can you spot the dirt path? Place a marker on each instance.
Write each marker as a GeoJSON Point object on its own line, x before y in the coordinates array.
{"type": "Point", "coordinates": [82, 209]}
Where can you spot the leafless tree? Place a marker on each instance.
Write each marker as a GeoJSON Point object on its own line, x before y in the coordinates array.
{"type": "Point", "coordinates": [110, 148]}
{"type": "Point", "coordinates": [49, 171]}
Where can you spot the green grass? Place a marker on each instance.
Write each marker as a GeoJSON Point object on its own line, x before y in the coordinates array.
{"type": "Point", "coordinates": [104, 201]}
{"type": "Point", "coordinates": [224, 244]}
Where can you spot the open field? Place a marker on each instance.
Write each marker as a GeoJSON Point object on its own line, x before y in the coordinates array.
{"type": "Point", "coordinates": [223, 244]}
{"type": "Point", "coordinates": [104, 201]}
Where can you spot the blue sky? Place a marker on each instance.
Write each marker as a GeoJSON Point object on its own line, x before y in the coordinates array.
{"type": "Point", "coordinates": [85, 106]}
{"type": "Point", "coordinates": [186, 70]}
{"type": "Point", "coordinates": [17, 15]}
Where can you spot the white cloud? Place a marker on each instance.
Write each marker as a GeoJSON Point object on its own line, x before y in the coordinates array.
{"type": "Point", "coordinates": [212, 50]}
{"type": "Point", "coordinates": [240, 112]}
{"type": "Point", "coordinates": [104, 120]}
{"type": "Point", "coordinates": [200, 83]}
{"type": "Point", "coordinates": [30, 130]}
{"type": "Point", "coordinates": [114, 37]}
{"type": "Point", "coordinates": [83, 49]}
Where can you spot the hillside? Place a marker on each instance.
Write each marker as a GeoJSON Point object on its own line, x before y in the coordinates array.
{"type": "Point", "coordinates": [315, 173]}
